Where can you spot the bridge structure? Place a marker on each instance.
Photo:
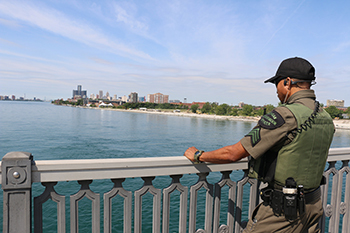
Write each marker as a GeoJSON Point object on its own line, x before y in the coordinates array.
{"type": "Point", "coordinates": [21, 176]}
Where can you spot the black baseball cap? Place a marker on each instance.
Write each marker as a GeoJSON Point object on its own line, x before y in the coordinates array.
{"type": "Point", "coordinates": [295, 67]}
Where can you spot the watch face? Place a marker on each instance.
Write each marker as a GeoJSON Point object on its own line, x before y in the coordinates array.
{"type": "Point", "coordinates": [197, 154]}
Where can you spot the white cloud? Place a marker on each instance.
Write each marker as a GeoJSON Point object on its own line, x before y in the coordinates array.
{"type": "Point", "coordinates": [126, 17]}
{"type": "Point", "coordinates": [56, 22]}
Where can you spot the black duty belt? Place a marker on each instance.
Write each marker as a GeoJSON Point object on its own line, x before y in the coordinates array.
{"type": "Point", "coordinates": [310, 197]}
{"type": "Point", "coordinates": [313, 197]}
{"type": "Point", "coordinates": [278, 201]}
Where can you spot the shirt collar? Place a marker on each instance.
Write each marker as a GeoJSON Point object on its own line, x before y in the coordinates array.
{"type": "Point", "coordinates": [301, 95]}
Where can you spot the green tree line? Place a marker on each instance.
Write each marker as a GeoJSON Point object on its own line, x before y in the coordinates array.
{"type": "Point", "coordinates": [62, 102]}
{"type": "Point", "coordinates": [208, 108]}
{"type": "Point", "coordinates": [334, 112]}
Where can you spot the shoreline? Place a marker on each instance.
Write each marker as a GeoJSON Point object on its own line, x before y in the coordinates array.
{"type": "Point", "coordinates": [339, 124]}
{"type": "Point", "coordinates": [342, 124]}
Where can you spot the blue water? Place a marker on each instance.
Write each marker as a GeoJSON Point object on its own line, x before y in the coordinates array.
{"type": "Point", "coordinates": [52, 132]}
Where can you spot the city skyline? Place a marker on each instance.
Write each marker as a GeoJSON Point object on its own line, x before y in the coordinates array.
{"type": "Point", "coordinates": [199, 50]}
{"type": "Point", "coordinates": [156, 97]}
{"type": "Point", "coordinates": [329, 102]}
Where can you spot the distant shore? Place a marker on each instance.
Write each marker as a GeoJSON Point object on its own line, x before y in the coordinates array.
{"type": "Point", "coordinates": [339, 124]}
{"type": "Point", "coordinates": [342, 124]}
{"type": "Point", "coordinates": [29, 100]}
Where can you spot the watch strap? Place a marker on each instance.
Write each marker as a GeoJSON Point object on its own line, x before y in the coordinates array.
{"type": "Point", "coordinates": [198, 154]}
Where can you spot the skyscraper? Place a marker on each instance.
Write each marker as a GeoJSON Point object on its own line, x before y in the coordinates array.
{"type": "Point", "coordinates": [79, 93]}
{"type": "Point", "coordinates": [133, 97]}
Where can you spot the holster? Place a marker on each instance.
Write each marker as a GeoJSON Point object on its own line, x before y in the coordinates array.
{"type": "Point", "coordinates": [273, 198]}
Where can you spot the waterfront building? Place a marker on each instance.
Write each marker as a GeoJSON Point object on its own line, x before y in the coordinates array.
{"type": "Point", "coordinates": [100, 94]}
{"type": "Point", "coordinates": [79, 93]}
{"type": "Point", "coordinates": [124, 98]}
{"type": "Point", "coordinates": [133, 97]}
{"type": "Point", "coordinates": [241, 104]}
{"type": "Point", "coordinates": [142, 99]}
{"type": "Point", "coordinates": [114, 97]}
{"type": "Point", "coordinates": [92, 96]}
{"type": "Point", "coordinates": [200, 104]}
{"type": "Point", "coordinates": [336, 103]}
{"type": "Point", "coordinates": [157, 98]}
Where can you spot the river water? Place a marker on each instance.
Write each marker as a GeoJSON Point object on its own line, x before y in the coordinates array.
{"type": "Point", "coordinates": [53, 132]}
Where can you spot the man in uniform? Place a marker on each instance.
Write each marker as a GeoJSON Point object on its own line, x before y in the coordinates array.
{"type": "Point", "coordinates": [287, 149]}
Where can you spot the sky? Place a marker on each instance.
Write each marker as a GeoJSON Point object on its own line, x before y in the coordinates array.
{"type": "Point", "coordinates": [204, 51]}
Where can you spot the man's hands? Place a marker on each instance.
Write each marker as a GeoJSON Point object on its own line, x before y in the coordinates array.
{"type": "Point", "coordinates": [189, 153]}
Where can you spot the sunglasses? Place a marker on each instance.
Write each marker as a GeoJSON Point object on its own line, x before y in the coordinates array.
{"type": "Point", "coordinates": [312, 82]}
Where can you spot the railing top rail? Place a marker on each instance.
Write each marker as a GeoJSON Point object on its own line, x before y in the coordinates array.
{"type": "Point", "coordinates": [67, 170]}
{"type": "Point", "coordinates": [338, 154]}
{"type": "Point", "coordinates": [90, 169]}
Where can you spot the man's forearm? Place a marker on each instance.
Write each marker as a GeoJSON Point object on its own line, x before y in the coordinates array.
{"type": "Point", "coordinates": [227, 154]}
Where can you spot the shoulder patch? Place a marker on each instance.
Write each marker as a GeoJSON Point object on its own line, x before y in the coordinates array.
{"type": "Point", "coordinates": [271, 120]}
{"type": "Point", "coordinates": [254, 135]}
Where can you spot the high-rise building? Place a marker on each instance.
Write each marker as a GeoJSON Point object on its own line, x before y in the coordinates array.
{"type": "Point", "coordinates": [100, 94]}
{"type": "Point", "coordinates": [133, 97]}
{"type": "Point", "coordinates": [158, 98]}
{"type": "Point", "coordinates": [79, 93]}
{"type": "Point", "coordinates": [124, 98]}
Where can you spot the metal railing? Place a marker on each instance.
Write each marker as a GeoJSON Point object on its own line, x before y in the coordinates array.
{"type": "Point", "coordinates": [19, 171]}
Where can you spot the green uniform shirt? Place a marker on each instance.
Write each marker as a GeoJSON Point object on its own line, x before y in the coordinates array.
{"type": "Point", "coordinates": [261, 139]}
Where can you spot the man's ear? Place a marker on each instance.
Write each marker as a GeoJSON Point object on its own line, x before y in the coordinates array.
{"type": "Point", "coordinates": [287, 82]}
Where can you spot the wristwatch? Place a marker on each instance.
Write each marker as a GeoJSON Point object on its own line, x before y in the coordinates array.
{"type": "Point", "coordinates": [197, 154]}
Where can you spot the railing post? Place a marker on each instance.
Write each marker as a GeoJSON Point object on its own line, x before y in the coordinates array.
{"type": "Point", "coordinates": [16, 172]}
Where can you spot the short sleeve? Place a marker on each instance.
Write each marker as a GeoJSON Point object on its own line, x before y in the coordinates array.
{"type": "Point", "coordinates": [271, 129]}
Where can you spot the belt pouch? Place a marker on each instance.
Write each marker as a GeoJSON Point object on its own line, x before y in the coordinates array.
{"type": "Point", "coordinates": [277, 202]}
